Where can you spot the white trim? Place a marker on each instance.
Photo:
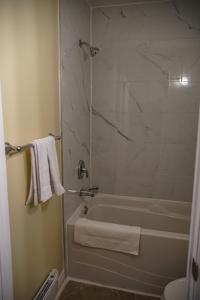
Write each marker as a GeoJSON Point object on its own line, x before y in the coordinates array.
{"type": "Point", "coordinates": [61, 278]}
{"type": "Point", "coordinates": [61, 288]}
{"type": "Point", "coordinates": [5, 244]}
{"type": "Point", "coordinates": [91, 97]}
{"type": "Point", "coordinates": [195, 222]}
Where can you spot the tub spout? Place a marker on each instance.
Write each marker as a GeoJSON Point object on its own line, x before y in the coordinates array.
{"type": "Point", "coordinates": [87, 192]}
{"type": "Point", "coordinates": [83, 192]}
{"type": "Point", "coordinates": [93, 189]}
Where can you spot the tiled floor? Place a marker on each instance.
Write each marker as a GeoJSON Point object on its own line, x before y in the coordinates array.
{"type": "Point", "coordinates": [80, 291]}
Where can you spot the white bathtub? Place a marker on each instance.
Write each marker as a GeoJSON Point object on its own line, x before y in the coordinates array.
{"type": "Point", "coordinates": [163, 245]}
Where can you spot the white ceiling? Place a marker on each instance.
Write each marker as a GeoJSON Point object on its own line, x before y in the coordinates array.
{"type": "Point", "coordinates": [94, 3]}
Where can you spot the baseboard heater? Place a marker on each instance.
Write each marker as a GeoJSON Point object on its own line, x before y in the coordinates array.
{"type": "Point", "coordinates": [49, 288]}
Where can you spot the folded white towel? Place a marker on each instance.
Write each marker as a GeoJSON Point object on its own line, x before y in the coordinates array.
{"type": "Point", "coordinates": [45, 178]}
{"type": "Point", "coordinates": [109, 236]}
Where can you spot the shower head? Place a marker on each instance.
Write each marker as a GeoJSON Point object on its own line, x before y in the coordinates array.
{"type": "Point", "coordinates": [93, 50]}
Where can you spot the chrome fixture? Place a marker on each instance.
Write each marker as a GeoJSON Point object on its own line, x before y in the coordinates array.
{"type": "Point", "coordinates": [10, 149]}
{"type": "Point", "coordinates": [93, 189]}
{"type": "Point", "coordinates": [87, 193]}
{"type": "Point", "coordinates": [82, 169]}
{"type": "Point", "coordinates": [82, 193]}
{"type": "Point", "coordinates": [93, 50]}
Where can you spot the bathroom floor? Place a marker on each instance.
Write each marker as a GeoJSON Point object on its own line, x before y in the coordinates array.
{"type": "Point", "coordinates": [81, 291]}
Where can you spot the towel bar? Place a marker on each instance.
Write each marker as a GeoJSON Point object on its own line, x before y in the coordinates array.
{"type": "Point", "coordinates": [10, 149]}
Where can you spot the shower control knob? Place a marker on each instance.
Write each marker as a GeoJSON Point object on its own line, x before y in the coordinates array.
{"type": "Point", "coordinates": [82, 170]}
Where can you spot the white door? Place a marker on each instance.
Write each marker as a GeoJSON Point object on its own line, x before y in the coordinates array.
{"type": "Point", "coordinates": [193, 270]}
{"type": "Point", "coordinates": [6, 282]}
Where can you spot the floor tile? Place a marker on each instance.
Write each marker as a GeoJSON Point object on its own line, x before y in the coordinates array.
{"type": "Point", "coordinates": [79, 291]}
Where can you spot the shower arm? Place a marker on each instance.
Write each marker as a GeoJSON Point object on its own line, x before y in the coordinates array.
{"type": "Point", "coordinates": [93, 50]}
{"type": "Point", "coordinates": [82, 43]}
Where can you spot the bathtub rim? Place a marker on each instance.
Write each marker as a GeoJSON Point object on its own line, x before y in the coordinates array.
{"type": "Point", "coordinates": [141, 199]}
{"type": "Point", "coordinates": [144, 231]}
{"type": "Point", "coordinates": [130, 208]}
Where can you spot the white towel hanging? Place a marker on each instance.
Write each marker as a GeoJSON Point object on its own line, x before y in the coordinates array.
{"type": "Point", "coordinates": [45, 178]}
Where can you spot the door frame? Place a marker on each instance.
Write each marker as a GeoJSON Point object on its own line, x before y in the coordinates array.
{"type": "Point", "coordinates": [194, 243]}
{"type": "Point", "coordinates": [6, 277]}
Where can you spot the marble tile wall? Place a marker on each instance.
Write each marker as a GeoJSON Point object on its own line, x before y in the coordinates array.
{"type": "Point", "coordinates": [75, 96]}
{"type": "Point", "coordinates": [146, 92]}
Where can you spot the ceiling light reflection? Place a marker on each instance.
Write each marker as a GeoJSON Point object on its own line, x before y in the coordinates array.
{"type": "Point", "coordinates": [184, 80]}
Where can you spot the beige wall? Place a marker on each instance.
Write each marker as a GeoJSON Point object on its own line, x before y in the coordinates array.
{"type": "Point", "coordinates": [29, 77]}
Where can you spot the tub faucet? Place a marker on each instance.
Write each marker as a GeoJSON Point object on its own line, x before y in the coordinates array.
{"type": "Point", "coordinates": [93, 189]}
{"type": "Point", "coordinates": [82, 192]}
{"type": "Point", "coordinates": [87, 192]}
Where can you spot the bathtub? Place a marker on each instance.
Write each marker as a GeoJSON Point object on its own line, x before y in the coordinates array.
{"type": "Point", "coordinates": [163, 244]}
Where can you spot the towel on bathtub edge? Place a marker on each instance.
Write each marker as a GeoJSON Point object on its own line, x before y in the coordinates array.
{"type": "Point", "coordinates": [110, 236]}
